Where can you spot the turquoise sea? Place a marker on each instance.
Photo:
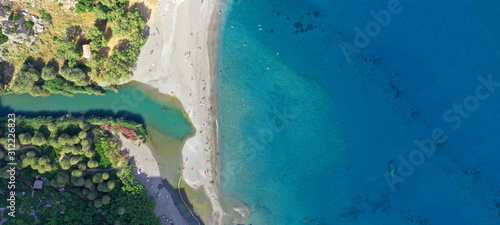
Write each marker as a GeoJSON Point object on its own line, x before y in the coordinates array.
{"type": "Point", "coordinates": [404, 130]}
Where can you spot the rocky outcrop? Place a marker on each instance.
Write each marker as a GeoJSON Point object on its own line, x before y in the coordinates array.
{"type": "Point", "coordinates": [16, 30]}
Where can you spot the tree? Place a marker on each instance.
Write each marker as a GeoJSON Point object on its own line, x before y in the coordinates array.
{"type": "Point", "coordinates": [64, 139]}
{"type": "Point", "coordinates": [68, 148]}
{"type": "Point", "coordinates": [49, 73]}
{"type": "Point", "coordinates": [94, 33]}
{"type": "Point", "coordinates": [82, 135]}
{"type": "Point", "coordinates": [82, 167]}
{"type": "Point", "coordinates": [24, 81]}
{"type": "Point", "coordinates": [97, 178]}
{"type": "Point", "coordinates": [30, 154]}
{"type": "Point", "coordinates": [2, 154]}
{"type": "Point", "coordinates": [85, 143]}
{"type": "Point", "coordinates": [92, 195]}
{"type": "Point", "coordinates": [25, 138]}
{"type": "Point", "coordinates": [121, 210]}
{"type": "Point", "coordinates": [89, 184]}
{"type": "Point", "coordinates": [106, 199]}
{"type": "Point", "coordinates": [84, 6]}
{"type": "Point", "coordinates": [105, 175]}
{"type": "Point", "coordinates": [51, 127]}
{"type": "Point", "coordinates": [76, 173]}
{"type": "Point", "coordinates": [77, 150]}
{"type": "Point", "coordinates": [75, 139]}
{"type": "Point", "coordinates": [74, 160]}
{"type": "Point", "coordinates": [75, 75]}
{"type": "Point", "coordinates": [28, 161]}
{"type": "Point", "coordinates": [131, 22]}
{"type": "Point", "coordinates": [38, 91]}
{"type": "Point", "coordinates": [111, 184]}
{"type": "Point", "coordinates": [77, 181]}
{"type": "Point", "coordinates": [97, 203]}
{"type": "Point", "coordinates": [83, 125]}
{"type": "Point", "coordinates": [112, 3]}
{"type": "Point", "coordinates": [102, 187]}
{"type": "Point", "coordinates": [89, 153]}
{"type": "Point", "coordinates": [43, 160]}
{"type": "Point", "coordinates": [92, 163]}
{"type": "Point", "coordinates": [100, 12]}
{"type": "Point", "coordinates": [62, 179]}
{"type": "Point", "coordinates": [54, 142]}
{"type": "Point", "coordinates": [65, 163]}
{"type": "Point", "coordinates": [38, 139]}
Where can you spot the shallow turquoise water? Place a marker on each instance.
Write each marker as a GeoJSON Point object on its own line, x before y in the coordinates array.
{"type": "Point", "coordinates": [132, 102]}
{"type": "Point", "coordinates": [308, 137]}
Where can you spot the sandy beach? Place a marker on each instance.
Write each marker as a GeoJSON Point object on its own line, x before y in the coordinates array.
{"type": "Point", "coordinates": [179, 59]}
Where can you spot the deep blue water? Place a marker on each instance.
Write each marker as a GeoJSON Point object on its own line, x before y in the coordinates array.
{"type": "Point", "coordinates": [309, 136]}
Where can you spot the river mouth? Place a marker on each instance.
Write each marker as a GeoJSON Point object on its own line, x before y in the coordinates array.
{"type": "Point", "coordinates": [167, 123]}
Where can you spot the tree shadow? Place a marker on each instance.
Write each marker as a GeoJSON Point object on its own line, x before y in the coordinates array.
{"type": "Point", "coordinates": [123, 44]}
{"type": "Point", "coordinates": [145, 11]}
{"type": "Point", "coordinates": [104, 51]}
{"type": "Point", "coordinates": [175, 193]}
{"type": "Point", "coordinates": [146, 31]}
{"type": "Point", "coordinates": [73, 34]}
{"type": "Point", "coordinates": [7, 72]}
{"type": "Point", "coordinates": [53, 63]}
{"type": "Point", "coordinates": [38, 63]}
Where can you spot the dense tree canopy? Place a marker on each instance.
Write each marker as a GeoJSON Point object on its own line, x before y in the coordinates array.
{"type": "Point", "coordinates": [25, 80]}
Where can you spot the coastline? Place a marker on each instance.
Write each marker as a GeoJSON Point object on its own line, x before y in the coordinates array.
{"type": "Point", "coordinates": [184, 36]}
{"type": "Point", "coordinates": [150, 177]}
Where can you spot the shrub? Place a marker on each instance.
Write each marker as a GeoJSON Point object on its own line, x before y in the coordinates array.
{"type": "Point", "coordinates": [6, 9]}
{"type": "Point", "coordinates": [45, 16]}
{"type": "Point", "coordinates": [14, 16]}
{"type": "Point", "coordinates": [29, 24]}
{"type": "Point", "coordinates": [3, 37]}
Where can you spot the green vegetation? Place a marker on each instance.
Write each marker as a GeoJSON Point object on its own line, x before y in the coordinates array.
{"type": "Point", "coordinates": [3, 37]}
{"type": "Point", "coordinates": [29, 24]}
{"type": "Point", "coordinates": [45, 16]}
{"type": "Point", "coordinates": [113, 31]}
{"type": "Point", "coordinates": [14, 16]}
{"type": "Point", "coordinates": [72, 81]}
{"type": "Point", "coordinates": [72, 193]}
{"type": "Point", "coordinates": [6, 9]}
{"type": "Point", "coordinates": [84, 6]}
